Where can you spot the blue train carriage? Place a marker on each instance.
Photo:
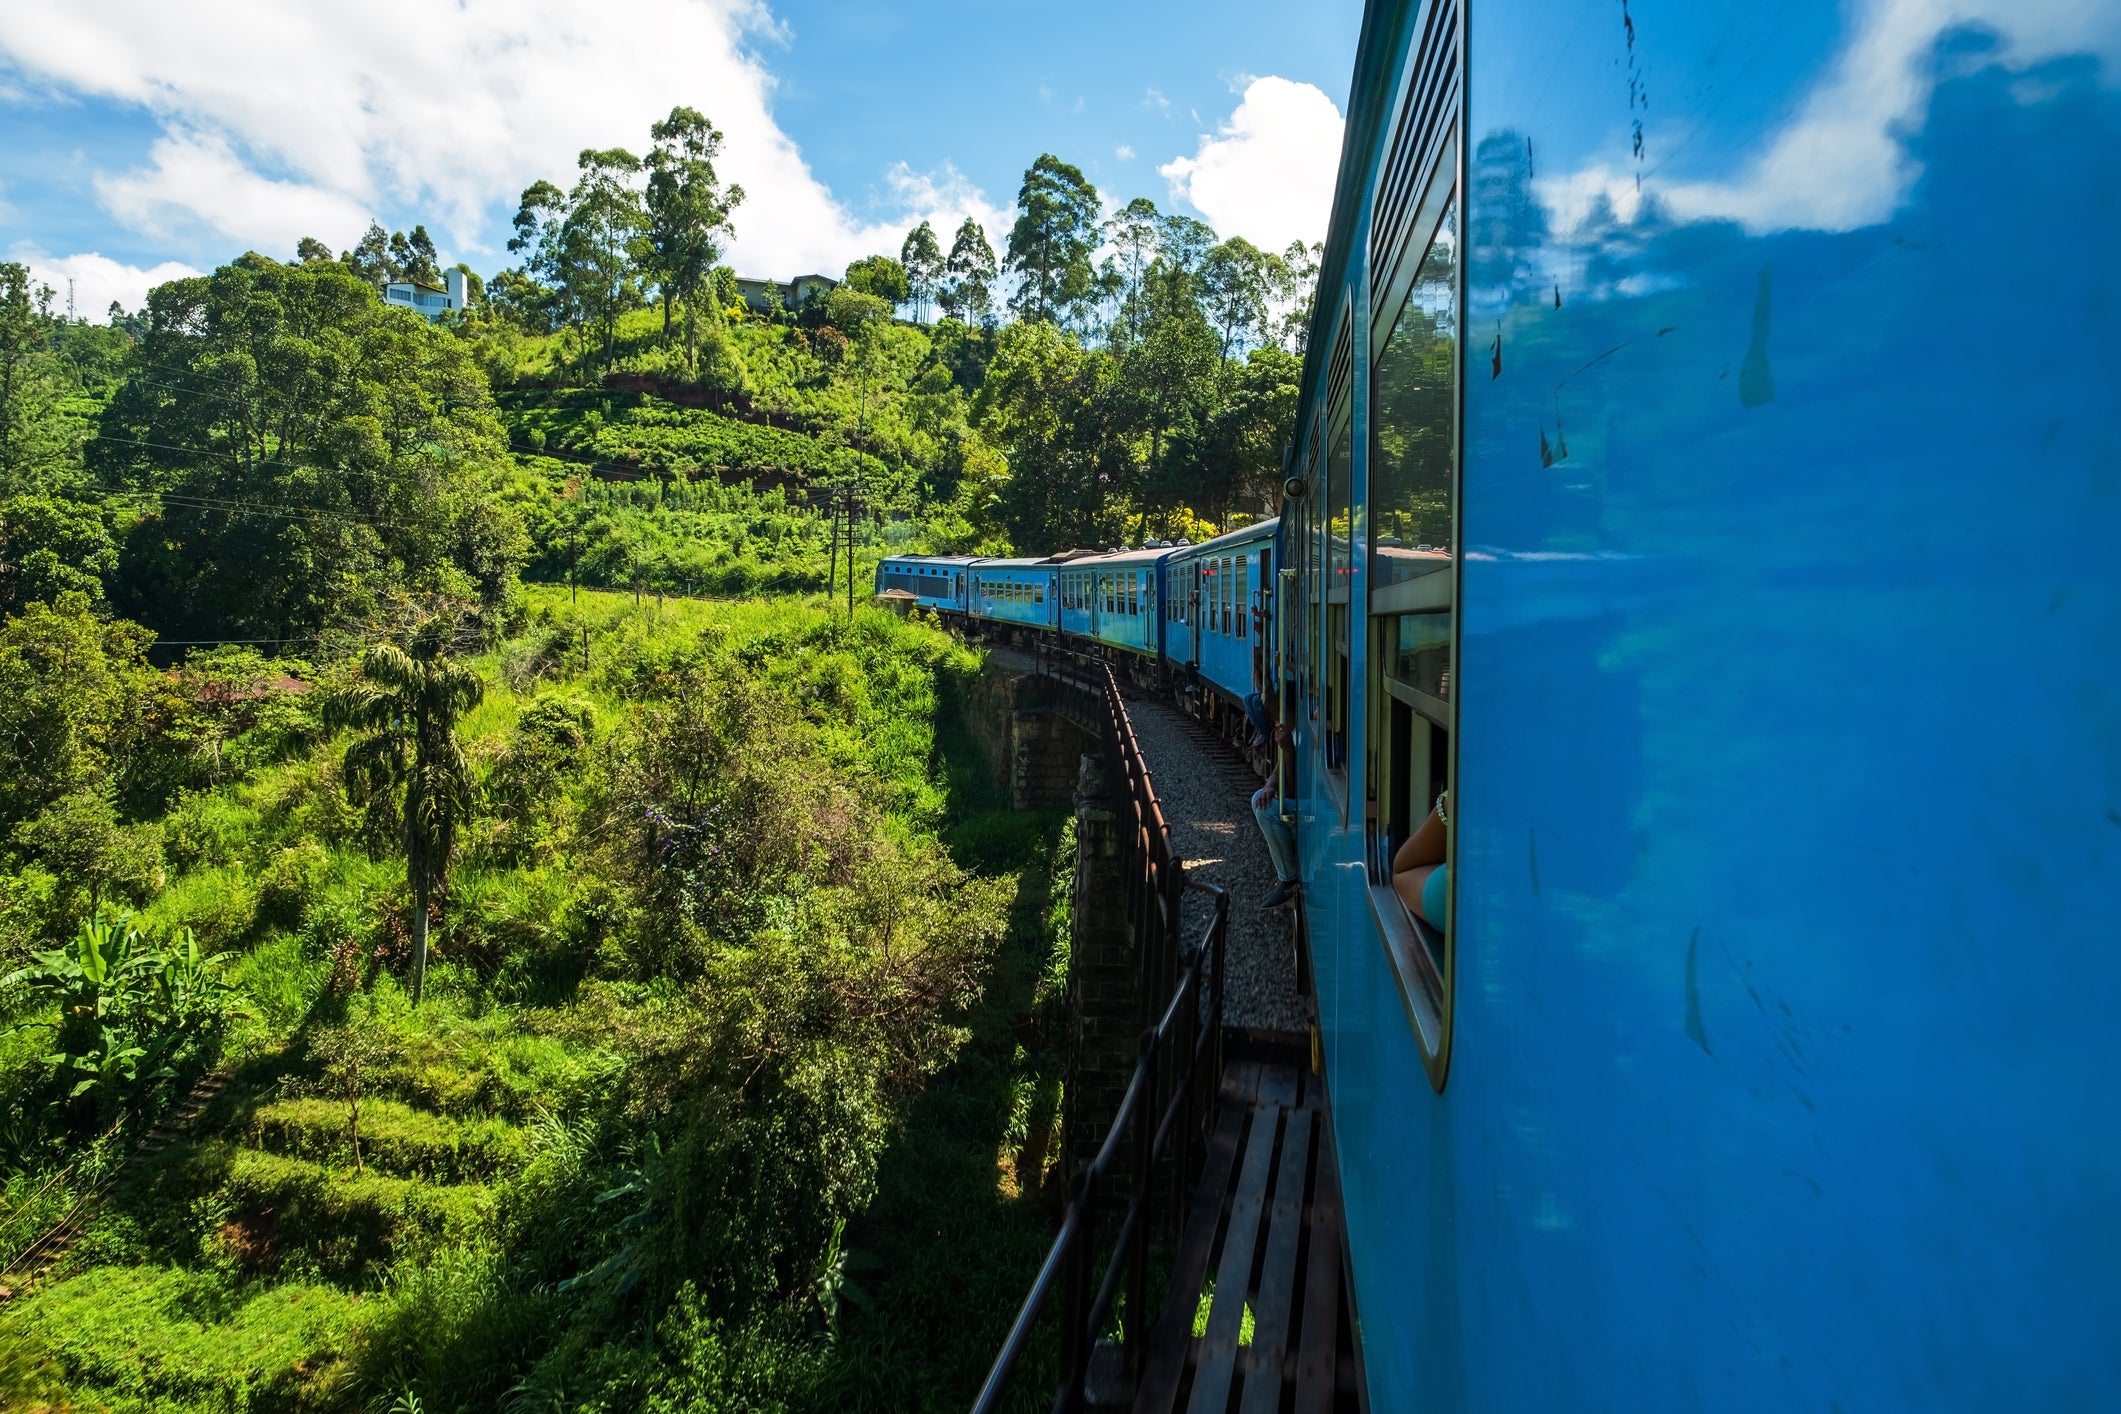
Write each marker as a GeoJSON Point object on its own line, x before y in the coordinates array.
{"type": "Point", "coordinates": [1017, 591]}
{"type": "Point", "coordinates": [1113, 598]}
{"type": "Point", "coordinates": [1762, 439]}
{"type": "Point", "coordinates": [1219, 606]}
{"type": "Point", "coordinates": [937, 582]}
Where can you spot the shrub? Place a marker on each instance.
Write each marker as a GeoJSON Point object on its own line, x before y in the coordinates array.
{"type": "Point", "coordinates": [290, 882]}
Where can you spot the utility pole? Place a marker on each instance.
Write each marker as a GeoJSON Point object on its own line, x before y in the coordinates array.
{"type": "Point", "coordinates": [832, 546]}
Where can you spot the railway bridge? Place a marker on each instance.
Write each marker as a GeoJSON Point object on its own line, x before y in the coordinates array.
{"type": "Point", "coordinates": [1203, 1192]}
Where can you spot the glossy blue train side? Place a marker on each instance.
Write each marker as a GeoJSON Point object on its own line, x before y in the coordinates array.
{"type": "Point", "coordinates": [937, 582]}
{"type": "Point", "coordinates": [1218, 586]}
{"type": "Point", "coordinates": [1113, 598]}
{"type": "Point", "coordinates": [1709, 454]}
{"type": "Point", "coordinates": [1016, 592]}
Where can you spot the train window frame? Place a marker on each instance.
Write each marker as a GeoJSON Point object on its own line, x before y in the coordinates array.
{"type": "Point", "coordinates": [1336, 646]}
{"type": "Point", "coordinates": [1400, 712]}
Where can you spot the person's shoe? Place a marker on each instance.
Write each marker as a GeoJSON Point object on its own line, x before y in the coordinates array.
{"type": "Point", "coordinates": [1257, 743]}
{"type": "Point", "coordinates": [1283, 892]}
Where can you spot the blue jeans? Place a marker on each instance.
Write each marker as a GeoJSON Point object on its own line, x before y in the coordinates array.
{"type": "Point", "coordinates": [1256, 714]}
{"type": "Point", "coordinates": [1281, 840]}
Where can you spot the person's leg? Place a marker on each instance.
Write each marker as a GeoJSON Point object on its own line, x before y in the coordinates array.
{"type": "Point", "coordinates": [1281, 840]}
{"type": "Point", "coordinates": [1436, 896]}
{"type": "Point", "coordinates": [1281, 849]}
{"type": "Point", "coordinates": [1256, 714]}
{"type": "Point", "coordinates": [1411, 885]}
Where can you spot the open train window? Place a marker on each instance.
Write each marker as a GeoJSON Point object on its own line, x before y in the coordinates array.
{"type": "Point", "coordinates": [1414, 453]}
{"type": "Point", "coordinates": [1339, 528]}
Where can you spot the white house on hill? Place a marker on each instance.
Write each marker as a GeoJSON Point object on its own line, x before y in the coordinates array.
{"type": "Point", "coordinates": [426, 299]}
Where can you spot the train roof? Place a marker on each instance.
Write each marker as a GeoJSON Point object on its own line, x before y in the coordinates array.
{"type": "Point", "coordinates": [1020, 562]}
{"type": "Point", "coordinates": [1243, 535]}
{"type": "Point", "coordinates": [1147, 555]}
{"type": "Point", "coordinates": [959, 560]}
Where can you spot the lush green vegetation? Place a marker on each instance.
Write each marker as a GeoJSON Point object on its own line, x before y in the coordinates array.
{"type": "Point", "coordinates": [609, 1000]}
{"type": "Point", "coordinates": [730, 1054]}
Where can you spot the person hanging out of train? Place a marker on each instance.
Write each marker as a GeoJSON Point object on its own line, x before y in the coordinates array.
{"type": "Point", "coordinates": [1281, 840]}
{"type": "Point", "coordinates": [1257, 710]}
{"type": "Point", "coordinates": [1420, 871]}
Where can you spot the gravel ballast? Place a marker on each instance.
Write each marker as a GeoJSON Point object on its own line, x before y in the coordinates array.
{"type": "Point", "coordinates": [1206, 796]}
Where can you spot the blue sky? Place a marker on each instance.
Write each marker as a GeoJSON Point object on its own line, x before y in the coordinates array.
{"type": "Point", "coordinates": [139, 141]}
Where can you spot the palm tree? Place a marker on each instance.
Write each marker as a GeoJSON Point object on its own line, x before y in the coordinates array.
{"type": "Point", "coordinates": [409, 772]}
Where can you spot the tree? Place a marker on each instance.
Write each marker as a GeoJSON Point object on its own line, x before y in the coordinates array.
{"type": "Point", "coordinates": [1167, 368]}
{"type": "Point", "coordinates": [409, 773]}
{"type": "Point", "coordinates": [604, 218]}
{"type": "Point", "coordinates": [688, 215]}
{"type": "Point", "coordinates": [371, 260]}
{"type": "Point", "coordinates": [1132, 233]}
{"type": "Point", "coordinates": [1182, 242]}
{"type": "Point", "coordinates": [37, 439]}
{"type": "Point", "coordinates": [1232, 460]}
{"type": "Point", "coordinates": [309, 250]}
{"type": "Point", "coordinates": [922, 259]}
{"type": "Point", "coordinates": [579, 249]}
{"type": "Point", "coordinates": [970, 292]}
{"type": "Point", "coordinates": [1056, 408]}
{"type": "Point", "coordinates": [1053, 241]}
{"type": "Point", "coordinates": [318, 456]}
{"type": "Point", "coordinates": [415, 257]}
{"type": "Point", "coordinates": [1237, 279]}
{"type": "Point", "coordinates": [881, 276]}
{"type": "Point", "coordinates": [49, 547]}
{"type": "Point", "coordinates": [79, 838]}
{"type": "Point", "coordinates": [349, 1055]}
{"type": "Point", "coordinates": [1295, 290]}
{"type": "Point", "coordinates": [80, 708]}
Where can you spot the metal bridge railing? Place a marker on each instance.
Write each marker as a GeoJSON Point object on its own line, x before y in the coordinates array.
{"type": "Point", "coordinates": [1168, 1101]}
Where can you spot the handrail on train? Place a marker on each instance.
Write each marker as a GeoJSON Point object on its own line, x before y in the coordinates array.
{"type": "Point", "coordinates": [1175, 1091]}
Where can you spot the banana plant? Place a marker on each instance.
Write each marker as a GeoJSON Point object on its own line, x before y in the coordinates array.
{"type": "Point", "coordinates": [126, 1005]}
{"type": "Point", "coordinates": [831, 1284]}
{"type": "Point", "coordinates": [623, 1267]}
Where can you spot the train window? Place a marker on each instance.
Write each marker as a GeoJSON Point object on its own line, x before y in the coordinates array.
{"type": "Point", "coordinates": [1414, 454]}
{"type": "Point", "coordinates": [1242, 586]}
{"type": "Point", "coordinates": [1340, 466]}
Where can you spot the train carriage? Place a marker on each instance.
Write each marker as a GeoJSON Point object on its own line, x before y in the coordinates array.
{"type": "Point", "coordinates": [1113, 598]}
{"type": "Point", "coordinates": [1715, 494]}
{"type": "Point", "coordinates": [937, 582]}
{"type": "Point", "coordinates": [1220, 606]}
{"type": "Point", "coordinates": [1014, 591]}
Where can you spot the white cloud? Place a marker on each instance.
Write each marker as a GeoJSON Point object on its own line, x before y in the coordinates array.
{"type": "Point", "coordinates": [1841, 161]}
{"type": "Point", "coordinates": [281, 118]}
{"type": "Point", "coordinates": [1123, 152]}
{"type": "Point", "coordinates": [195, 174]}
{"type": "Point", "coordinates": [943, 199]}
{"type": "Point", "coordinates": [1267, 173]}
{"type": "Point", "coordinates": [97, 279]}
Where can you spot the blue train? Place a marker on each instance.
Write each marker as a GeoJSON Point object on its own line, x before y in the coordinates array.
{"type": "Point", "coordinates": [1190, 615]}
{"type": "Point", "coordinates": [1706, 479]}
